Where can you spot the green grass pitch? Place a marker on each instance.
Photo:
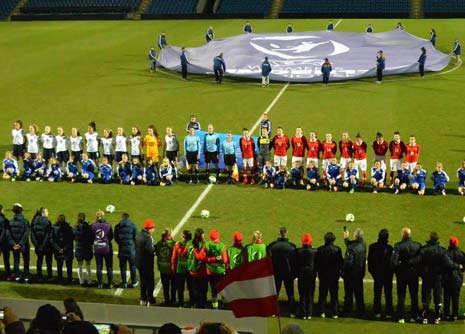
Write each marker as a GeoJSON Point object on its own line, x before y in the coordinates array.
{"type": "Point", "coordinates": [69, 73]}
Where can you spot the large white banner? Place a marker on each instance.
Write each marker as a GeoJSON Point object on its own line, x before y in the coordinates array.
{"type": "Point", "coordinates": [297, 57]}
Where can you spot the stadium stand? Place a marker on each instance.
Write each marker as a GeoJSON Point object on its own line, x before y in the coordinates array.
{"type": "Point", "coordinates": [444, 8]}
{"type": "Point", "coordinates": [6, 7]}
{"type": "Point", "coordinates": [345, 8]}
{"type": "Point", "coordinates": [171, 9]}
{"type": "Point", "coordinates": [244, 8]}
{"type": "Point", "coordinates": [77, 9]}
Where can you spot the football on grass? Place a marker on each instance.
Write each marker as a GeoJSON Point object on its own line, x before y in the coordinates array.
{"type": "Point", "coordinates": [110, 208]}
{"type": "Point", "coordinates": [350, 217]}
{"type": "Point", "coordinates": [205, 214]}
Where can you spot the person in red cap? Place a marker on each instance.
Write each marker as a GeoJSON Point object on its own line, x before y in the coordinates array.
{"type": "Point", "coordinates": [453, 280]}
{"type": "Point", "coordinates": [306, 275]}
{"type": "Point", "coordinates": [216, 267]}
{"type": "Point", "coordinates": [234, 256]}
{"type": "Point", "coordinates": [145, 252]}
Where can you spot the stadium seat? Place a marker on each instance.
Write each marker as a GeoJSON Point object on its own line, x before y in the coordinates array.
{"type": "Point", "coordinates": [171, 7]}
{"type": "Point", "coordinates": [343, 8]}
{"type": "Point", "coordinates": [444, 8]}
{"type": "Point", "coordinates": [259, 8]}
{"type": "Point", "coordinates": [79, 6]}
{"type": "Point", "coordinates": [6, 7]}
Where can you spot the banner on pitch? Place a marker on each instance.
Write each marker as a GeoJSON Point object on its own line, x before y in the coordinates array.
{"type": "Point", "coordinates": [297, 57]}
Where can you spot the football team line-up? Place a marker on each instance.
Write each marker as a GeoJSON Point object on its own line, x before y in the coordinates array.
{"type": "Point", "coordinates": [55, 163]}
{"type": "Point", "coordinates": [197, 263]}
{"type": "Point", "coordinates": [219, 64]}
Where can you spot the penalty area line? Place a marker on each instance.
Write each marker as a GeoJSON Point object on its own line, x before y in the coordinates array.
{"type": "Point", "coordinates": [337, 23]}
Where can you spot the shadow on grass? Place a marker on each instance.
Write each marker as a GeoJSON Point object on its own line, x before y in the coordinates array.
{"type": "Point", "coordinates": [52, 292]}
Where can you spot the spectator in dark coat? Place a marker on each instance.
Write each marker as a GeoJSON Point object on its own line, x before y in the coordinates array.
{"type": "Point", "coordinates": [282, 255]}
{"type": "Point", "coordinates": [63, 246]}
{"type": "Point", "coordinates": [433, 264]}
{"type": "Point", "coordinates": [145, 253]}
{"type": "Point", "coordinates": [453, 280]}
{"type": "Point", "coordinates": [18, 239]}
{"type": "Point", "coordinates": [47, 321]}
{"type": "Point", "coordinates": [41, 231]}
{"type": "Point", "coordinates": [379, 266]}
{"type": "Point", "coordinates": [83, 248]}
{"type": "Point", "coordinates": [328, 265]}
{"type": "Point", "coordinates": [125, 237]}
{"type": "Point", "coordinates": [403, 262]}
{"type": "Point", "coordinates": [306, 275]}
{"type": "Point", "coordinates": [103, 249]}
{"type": "Point", "coordinates": [353, 268]}
{"type": "Point", "coordinates": [4, 245]}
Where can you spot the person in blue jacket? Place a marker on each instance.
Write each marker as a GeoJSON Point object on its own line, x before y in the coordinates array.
{"type": "Point", "coordinates": [266, 70]}
{"type": "Point", "coordinates": [369, 29]}
{"type": "Point", "coordinates": [210, 35]}
{"type": "Point", "coordinates": [18, 239]}
{"type": "Point", "coordinates": [380, 65]}
{"type": "Point", "coordinates": [457, 50]}
{"type": "Point", "coordinates": [41, 229]}
{"type": "Point", "coordinates": [422, 61]}
{"type": "Point", "coordinates": [433, 37]}
{"type": "Point", "coordinates": [247, 28]}
{"type": "Point", "coordinates": [184, 62]}
{"type": "Point", "coordinates": [289, 28]}
{"type": "Point", "coordinates": [153, 60]}
{"type": "Point", "coordinates": [162, 41]}
{"type": "Point", "coordinates": [219, 67]}
{"type": "Point", "coordinates": [125, 237]}
{"type": "Point", "coordinates": [330, 26]}
{"type": "Point", "coordinates": [325, 71]}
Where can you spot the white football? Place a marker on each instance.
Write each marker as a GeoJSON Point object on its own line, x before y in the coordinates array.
{"type": "Point", "coordinates": [464, 219]}
{"type": "Point", "coordinates": [204, 213]}
{"type": "Point", "coordinates": [212, 179]}
{"type": "Point", "coordinates": [350, 217]}
{"type": "Point", "coordinates": [110, 208]}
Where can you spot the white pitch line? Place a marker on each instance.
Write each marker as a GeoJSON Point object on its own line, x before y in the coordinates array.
{"type": "Point", "coordinates": [267, 110]}
{"type": "Point", "coordinates": [337, 23]}
{"type": "Point", "coordinates": [210, 186]}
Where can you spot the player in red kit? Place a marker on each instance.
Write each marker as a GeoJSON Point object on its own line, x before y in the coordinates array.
{"type": "Point", "coordinates": [397, 149]}
{"type": "Point", "coordinates": [247, 145]}
{"type": "Point", "coordinates": [360, 157]}
{"type": "Point", "coordinates": [412, 151]}
{"type": "Point", "coordinates": [345, 147]}
{"type": "Point", "coordinates": [380, 147]}
{"type": "Point", "coordinates": [280, 145]}
{"type": "Point", "coordinates": [299, 145]}
{"type": "Point", "coordinates": [314, 148]}
{"type": "Point", "coordinates": [329, 151]}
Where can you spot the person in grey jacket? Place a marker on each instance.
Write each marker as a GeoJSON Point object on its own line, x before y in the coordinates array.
{"type": "Point", "coordinates": [145, 253]}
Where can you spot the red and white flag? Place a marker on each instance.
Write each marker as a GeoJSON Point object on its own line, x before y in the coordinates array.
{"type": "Point", "coordinates": [250, 290]}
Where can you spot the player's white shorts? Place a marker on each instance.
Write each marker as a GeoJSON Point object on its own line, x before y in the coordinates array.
{"type": "Point", "coordinates": [280, 160]}
{"type": "Point", "coordinates": [361, 164]}
{"type": "Point", "coordinates": [381, 158]}
{"type": "Point", "coordinates": [326, 163]}
{"type": "Point", "coordinates": [247, 163]}
{"type": "Point", "coordinates": [344, 162]}
{"type": "Point", "coordinates": [299, 159]}
{"type": "Point", "coordinates": [395, 164]}
{"type": "Point", "coordinates": [411, 166]}
{"type": "Point", "coordinates": [314, 160]}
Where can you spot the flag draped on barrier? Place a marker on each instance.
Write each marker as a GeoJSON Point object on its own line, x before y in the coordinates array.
{"type": "Point", "coordinates": [250, 290]}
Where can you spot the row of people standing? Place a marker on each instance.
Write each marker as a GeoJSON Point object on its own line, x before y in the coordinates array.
{"type": "Point", "coordinates": [82, 242]}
